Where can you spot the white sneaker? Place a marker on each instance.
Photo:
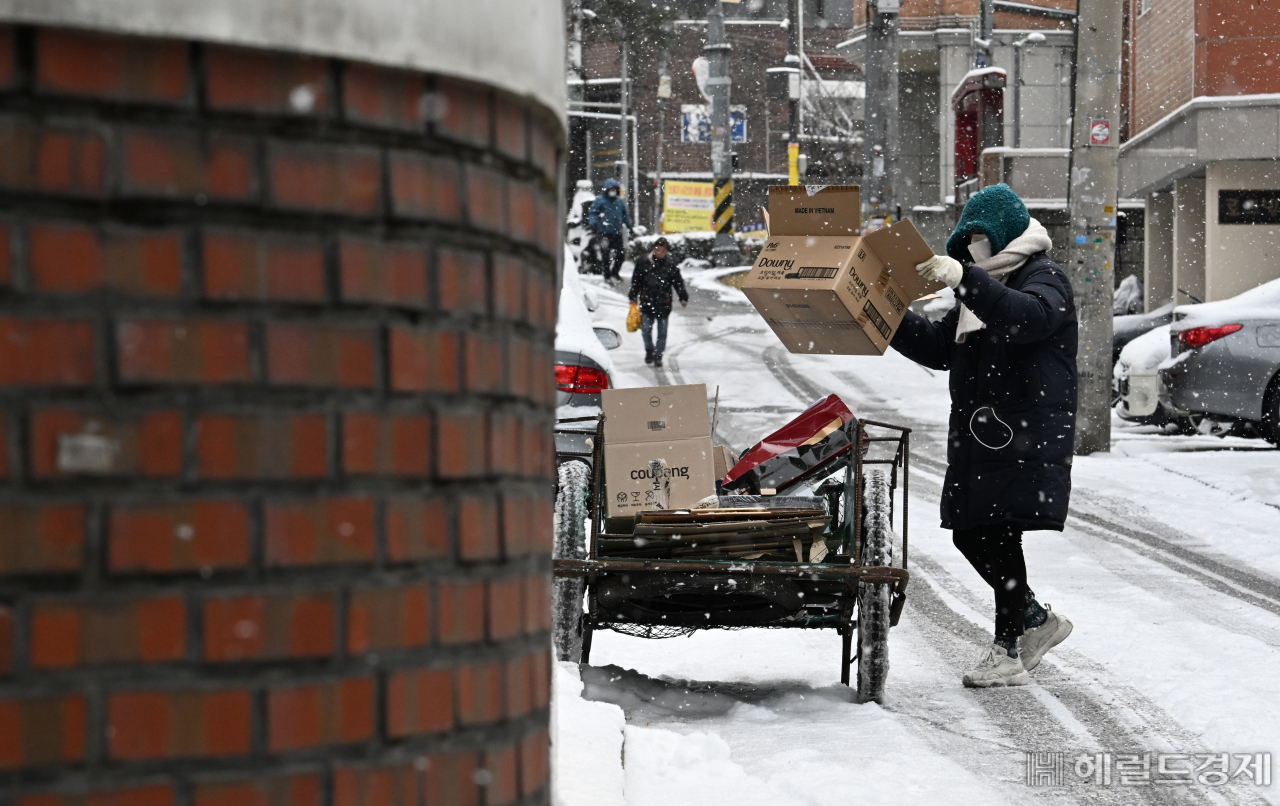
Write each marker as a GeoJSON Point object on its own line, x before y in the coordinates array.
{"type": "Point", "coordinates": [1038, 640]}
{"type": "Point", "coordinates": [997, 669]}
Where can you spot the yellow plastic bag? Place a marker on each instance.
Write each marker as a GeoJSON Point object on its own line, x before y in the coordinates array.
{"type": "Point", "coordinates": [633, 318]}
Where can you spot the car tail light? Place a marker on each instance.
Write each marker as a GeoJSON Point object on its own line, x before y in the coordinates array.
{"type": "Point", "coordinates": [582, 380]}
{"type": "Point", "coordinates": [1200, 336]}
{"type": "Point", "coordinates": [566, 377]}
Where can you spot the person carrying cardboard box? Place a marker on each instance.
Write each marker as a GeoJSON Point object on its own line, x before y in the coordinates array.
{"type": "Point", "coordinates": [1010, 346]}
{"type": "Point", "coordinates": [824, 288]}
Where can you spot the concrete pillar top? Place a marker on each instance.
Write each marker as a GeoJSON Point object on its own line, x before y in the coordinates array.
{"type": "Point", "coordinates": [515, 45]}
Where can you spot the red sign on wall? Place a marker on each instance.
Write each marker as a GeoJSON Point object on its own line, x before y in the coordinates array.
{"type": "Point", "coordinates": [1099, 132]}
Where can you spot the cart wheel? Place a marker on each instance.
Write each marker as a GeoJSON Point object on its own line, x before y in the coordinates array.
{"type": "Point", "coordinates": [874, 598]}
{"type": "Point", "coordinates": [573, 478]}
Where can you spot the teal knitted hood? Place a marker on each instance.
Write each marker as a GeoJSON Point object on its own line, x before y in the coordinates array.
{"type": "Point", "coordinates": [994, 211]}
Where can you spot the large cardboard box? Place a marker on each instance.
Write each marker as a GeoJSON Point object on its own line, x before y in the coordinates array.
{"type": "Point", "coordinates": [821, 285]}
{"type": "Point", "coordinates": [657, 422]}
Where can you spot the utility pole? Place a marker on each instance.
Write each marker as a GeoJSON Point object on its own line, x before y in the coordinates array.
{"type": "Point", "coordinates": [623, 166]}
{"type": "Point", "coordinates": [574, 73]}
{"type": "Point", "coordinates": [575, 48]}
{"type": "Point", "coordinates": [880, 151]}
{"type": "Point", "coordinates": [1095, 152]}
{"type": "Point", "coordinates": [725, 252]}
{"type": "Point", "coordinates": [1033, 37]}
{"type": "Point", "coordinates": [986, 26]}
{"type": "Point", "coordinates": [664, 93]}
{"type": "Point", "coordinates": [793, 92]}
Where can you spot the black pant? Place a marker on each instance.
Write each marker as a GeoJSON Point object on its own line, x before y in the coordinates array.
{"type": "Point", "coordinates": [995, 552]}
{"type": "Point", "coordinates": [614, 254]}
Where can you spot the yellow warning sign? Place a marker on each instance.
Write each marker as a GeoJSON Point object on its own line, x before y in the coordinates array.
{"type": "Point", "coordinates": [687, 206]}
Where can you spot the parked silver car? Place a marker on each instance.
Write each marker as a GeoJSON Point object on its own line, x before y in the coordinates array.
{"type": "Point", "coordinates": [1224, 369]}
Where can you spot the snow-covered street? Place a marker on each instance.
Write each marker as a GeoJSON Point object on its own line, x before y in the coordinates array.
{"type": "Point", "coordinates": [1169, 569]}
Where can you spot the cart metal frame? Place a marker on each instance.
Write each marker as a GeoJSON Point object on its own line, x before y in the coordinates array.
{"type": "Point", "coordinates": [848, 575]}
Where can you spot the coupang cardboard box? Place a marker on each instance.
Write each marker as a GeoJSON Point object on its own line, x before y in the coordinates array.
{"type": "Point", "coordinates": [825, 288]}
{"type": "Point", "coordinates": [657, 448]}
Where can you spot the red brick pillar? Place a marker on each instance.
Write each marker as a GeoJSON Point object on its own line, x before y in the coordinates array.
{"type": "Point", "coordinates": [275, 399]}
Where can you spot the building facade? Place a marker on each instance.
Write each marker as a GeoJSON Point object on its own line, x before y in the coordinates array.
{"type": "Point", "coordinates": [1204, 147]}
{"type": "Point", "coordinates": [757, 33]}
{"type": "Point", "coordinates": [938, 45]}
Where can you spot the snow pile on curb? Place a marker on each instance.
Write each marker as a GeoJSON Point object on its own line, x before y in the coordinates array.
{"type": "Point", "coordinates": [586, 743]}
{"type": "Point", "coordinates": [709, 280]}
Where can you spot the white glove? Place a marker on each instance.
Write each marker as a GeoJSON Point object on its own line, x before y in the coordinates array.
{"type": "Point", "coordinates": [942, 268]}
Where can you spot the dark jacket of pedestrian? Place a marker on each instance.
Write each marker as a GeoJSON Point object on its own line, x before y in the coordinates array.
{"type": "Point", "coordinates": [1013, 396]}
{"type": "Point", "coordinates": [651, 283]}
{"type": "Point", "coordinates": [608, 213]}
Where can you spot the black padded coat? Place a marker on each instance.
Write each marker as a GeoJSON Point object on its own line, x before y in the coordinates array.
{"type": "Point", "coordinates": [651, 283]}
{"type": "Point", "coordinates": [1013, 396]}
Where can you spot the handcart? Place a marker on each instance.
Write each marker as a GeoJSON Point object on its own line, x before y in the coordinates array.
{"type": "Point", "coordinates": [859, 586]}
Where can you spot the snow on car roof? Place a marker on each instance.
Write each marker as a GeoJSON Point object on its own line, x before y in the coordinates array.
{"type": "Point", "coordinates": [1146, 351]}
{"type": "Point", "coordinates": [1139, 321]}
{"type": "Point", "coordinates": [574, 331]}
{"type": "Point", "coordinates": [1262, 302]}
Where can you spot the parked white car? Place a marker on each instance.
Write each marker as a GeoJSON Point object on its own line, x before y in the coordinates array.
{"type": "Point", "coordinates": [1136, 380]}
{"type": "Point", "coordinates": [583, 367]}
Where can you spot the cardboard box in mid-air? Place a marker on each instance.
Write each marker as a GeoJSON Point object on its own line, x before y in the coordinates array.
{"type": "Point", "coordinates": [821, 285]}
{"type": "Point", "coordinates": [669, 423]}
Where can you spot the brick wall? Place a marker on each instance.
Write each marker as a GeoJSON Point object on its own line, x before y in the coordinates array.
{"type": "Point", "coordinates": [1237, 47]}
{"type": "Point", "coordinates": [1190, 48]}
{"type": "Point", "coordinates": [1162, 59]}
{"type": "Point", "coordinates": [275, 401]}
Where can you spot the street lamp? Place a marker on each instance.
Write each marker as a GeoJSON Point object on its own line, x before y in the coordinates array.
{"type": "Point", "coordinates": [1029, 39]}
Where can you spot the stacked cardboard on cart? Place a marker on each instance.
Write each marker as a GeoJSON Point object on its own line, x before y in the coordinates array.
{"type": "Point", "coordinates": [657, 448]}
{"type": "Point", "coordinates": [793, 533]}
{"type": "Point", "coordinates": [825, 288]}
{"type": "Point", "coordinates": [660, 488]}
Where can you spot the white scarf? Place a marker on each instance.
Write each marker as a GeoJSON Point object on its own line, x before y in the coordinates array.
{"type": "Point", "coordinates": [1033, 240]}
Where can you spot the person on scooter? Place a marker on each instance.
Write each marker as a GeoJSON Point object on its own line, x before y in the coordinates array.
{"type": "Point", "coordinates": [608, 216]}
{"type": "Point", "coordinates": [651, 283]}
{"type": "Point", "coordinates": [1010, 346]}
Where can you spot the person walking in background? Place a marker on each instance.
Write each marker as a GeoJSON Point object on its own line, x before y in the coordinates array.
{"type": "Point", "coordinates": [1010, 346]}
{"type": "Point", "coordinates": [608, 217]}
{"type": "Point", "coordinates": [652, 280]}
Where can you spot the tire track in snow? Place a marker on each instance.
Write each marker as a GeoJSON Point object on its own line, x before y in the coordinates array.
{"type": "Point", "coordinates": [669, 374]}
{"type": "Point", "coordinates": [730, 420]}
{"type": "Point", "coordinates": [1211, 486]}
{"type": "Point", "coordinates": [1231, 580]}
{"type": "Point", "coordinates": [1073, 702]}
{"type": "Point", "coordinates": [1074, 691]}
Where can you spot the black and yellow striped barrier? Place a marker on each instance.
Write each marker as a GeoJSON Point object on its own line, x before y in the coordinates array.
{"type": "Point", "coordinates": [724, 206]}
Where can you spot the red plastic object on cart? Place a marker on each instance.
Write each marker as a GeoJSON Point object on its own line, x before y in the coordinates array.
{"type": "Point", "coordinates": [795, 452]}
